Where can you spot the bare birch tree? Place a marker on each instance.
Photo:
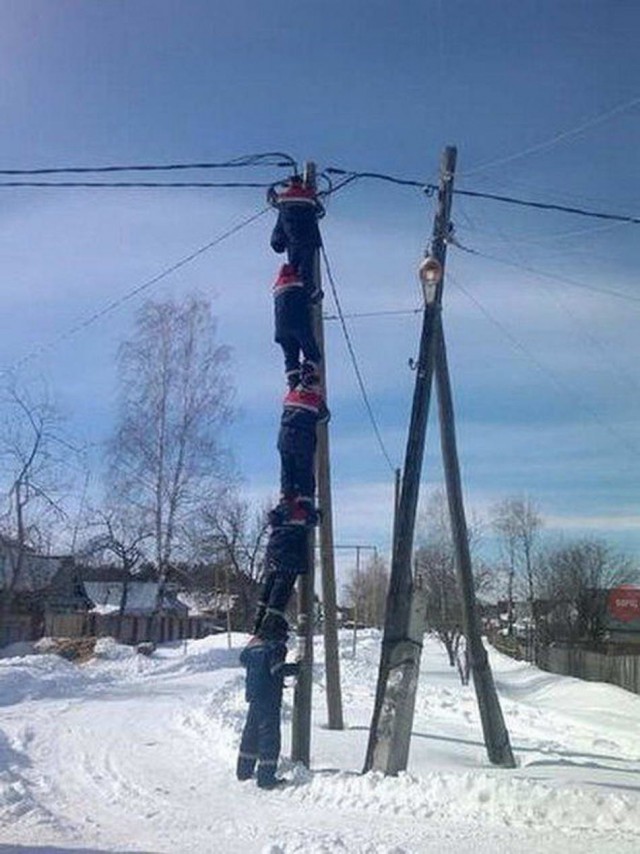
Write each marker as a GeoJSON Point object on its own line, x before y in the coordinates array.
{"type": "Point", "coordinates": [435, 565]}
{"type": "Point", "coordinates": [575, 578]}
{"type": "Point", "coordinates": [517, 521]}
{"type": "Point", "coordinates": [32, 452]}
{"type": "Point", "coordinates": [234, 540]}
{"type": "Point", "coordinates": [117, 536]}
{"type": "Point", "coordinates": [166, 457]}
{"type": "Point", "coordinates": [366, 591]}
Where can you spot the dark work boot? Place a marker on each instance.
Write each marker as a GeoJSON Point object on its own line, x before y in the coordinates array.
{"type": "Point", "coordinates": [274, 783]}
{"type": "Point", "coordinates": [266, 775]}
{"type": "Point", "coordinates": [245, 766]}
{"type": "Point", "coordinates": [310, 374]}
{"type": "Point", "coordinates": [293, 378]}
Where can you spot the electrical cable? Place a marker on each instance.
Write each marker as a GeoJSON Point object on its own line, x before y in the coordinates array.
{"type": "Point", "coordinates": [543, 238]}
{"type": "Point", "coordinates": [386, 313]}
{"type": "Point", "coordinates": [144, 184]}
{"type": "Point", "coordinates": [566, 390]}
{"type": "Point", "coordinates": [543, 274]}
{"type": "Point", "coordinates": [430, 189]}
{"type": "Point", "coordinates": [284, 160]}
{"type": "Point", "coordinates": [607, 356]}
{"type": "Point", "coordinates": [381, 176]}
{"type": "Point", "coordinates": [548, 206]}
{"type": "Point", "coordinates": [138, 289]}
{"type": "Point", "coordinates": [354, 362]}
{"type": "Point", "coordinates": [554, 140]}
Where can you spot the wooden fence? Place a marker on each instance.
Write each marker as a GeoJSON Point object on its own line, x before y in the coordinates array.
{"type": "Point", "coordinates": [621, 670]}
{"type": "Point", "coordinates": [18, 627]}
{"type": "Point", "coordinates": [128, 628]}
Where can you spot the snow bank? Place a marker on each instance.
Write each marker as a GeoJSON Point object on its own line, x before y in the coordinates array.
{"type": "Point", "coordinates": [132, 751]}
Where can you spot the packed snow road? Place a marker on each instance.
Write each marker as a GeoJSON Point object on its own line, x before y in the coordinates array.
{"type": "Point", "coordinates": [133, 754]}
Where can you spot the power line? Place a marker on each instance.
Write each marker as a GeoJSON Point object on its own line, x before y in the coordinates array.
{"type": "Point", "coordinates": [354, 362]}
{"type": "Point", "coordinates": [145, 184]}
{"type": "Point", "coordinates": [549, 206]}
{"type": "Point", "coordinates": [381, 176]}
{"type": "Point", "coordinates": [546, 275]}
{"type": "Point", "coordinates": [619, 372]}
{"type": "Point", "coordinates": [554, 140]}
{"type": "Point", "coordinates": [430, 189]}
{"type": "Point", "coordinates": [387, 313]}
{"type": "Point", "coordinates": [544, 238]}
{"type": "Point", "coordinates": [560, 384]}
{"type": "Point", "coordinates": [265, 159]}
{"type": "Point", "coordinates": [138, 289]}
{"type": "Point", "coordinates": [349, 177]}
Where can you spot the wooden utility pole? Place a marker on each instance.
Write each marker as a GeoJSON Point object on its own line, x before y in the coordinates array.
{"type": "Point", "coordinates": [301, 715]}
{"type": "Point", "coordinates": [405, 622]}
{"type": "Point", "coordinates": [405, 619]}
{"type": "Point", "coordinates": [327, 562]}
{"type": "Point", "coordinates": [301, 718]}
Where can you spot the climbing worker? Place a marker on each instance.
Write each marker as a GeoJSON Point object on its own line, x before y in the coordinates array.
{"type": "Point", "coordinates": [293, 327]}
{"type": "Point", "coordinates": [296, 230]}
{"type": "Point", "coordinates": [264, 660]}
{"type": "Point", "coordinates": [287, 556]}
{"type": "Point", "coordinates": [303, 408]}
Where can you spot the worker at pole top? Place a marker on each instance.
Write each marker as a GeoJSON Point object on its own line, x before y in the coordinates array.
{"type": "Point", "coordinates": [296, 230]}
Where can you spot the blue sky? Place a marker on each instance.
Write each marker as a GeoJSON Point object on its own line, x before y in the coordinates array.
{"type": "Point", "coordinates": [544, 368]}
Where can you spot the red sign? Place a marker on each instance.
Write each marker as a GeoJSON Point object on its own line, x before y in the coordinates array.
{"type": "Point", "coordinates": [624, 603]}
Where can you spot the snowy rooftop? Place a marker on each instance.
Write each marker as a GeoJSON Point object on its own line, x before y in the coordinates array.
{"type": "Point", "coordinates": [107, 595]}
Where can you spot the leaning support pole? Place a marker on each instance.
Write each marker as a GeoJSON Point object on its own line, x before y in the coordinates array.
{"type": "Point", "coordinates": [496, 736]}
{"type": "Point", "coordinates": [405, 618]}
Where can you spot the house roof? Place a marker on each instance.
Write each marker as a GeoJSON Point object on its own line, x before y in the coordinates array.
{"type": "Point", "coordinates": [141, 596]}
{"type": "Point", "coordinates": [37, 573]}
{"type": "Point", "coordinates": [199, 602]}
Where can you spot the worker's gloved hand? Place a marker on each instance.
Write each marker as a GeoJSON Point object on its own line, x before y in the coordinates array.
{"type": "Point", "coordinates": [292, 669]}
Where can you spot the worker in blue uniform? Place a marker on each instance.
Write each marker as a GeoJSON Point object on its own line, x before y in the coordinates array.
{"type": "Point", "coordinates": [296, 230]}
{"type": "Point", "coordinates": [293, 326]}
{"type": "Point", "coordinates": [264, 660]}
{"type": "Point", "coordinates": [287, 557]}
{"type": "Point", "coordinates": [302, 409]}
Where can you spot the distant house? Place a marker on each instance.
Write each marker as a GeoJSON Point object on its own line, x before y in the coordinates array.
{"type": "Point", "coordinates": [45, 583]}
{"type": "Point", "coordinates": [207, 604]}
{"type": "Point", "coordinates": [132, 597]}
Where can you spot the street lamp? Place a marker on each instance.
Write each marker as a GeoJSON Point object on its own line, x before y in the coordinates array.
{"type": "Point", "coordinates": [430, 275]}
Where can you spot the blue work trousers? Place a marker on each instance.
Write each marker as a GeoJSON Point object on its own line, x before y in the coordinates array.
{"type": "Point", "coordinates": [260, 743]}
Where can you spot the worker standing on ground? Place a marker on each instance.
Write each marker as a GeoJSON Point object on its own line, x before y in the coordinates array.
{"type": "Point", "coordinates": [264, 659]}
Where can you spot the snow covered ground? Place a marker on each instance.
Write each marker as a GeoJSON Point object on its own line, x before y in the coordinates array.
{"type": "Point", "coordinates": [135, 754]}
